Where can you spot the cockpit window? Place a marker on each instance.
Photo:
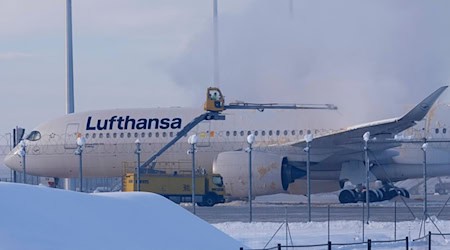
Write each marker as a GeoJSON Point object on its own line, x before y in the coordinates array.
{"type": "Point", "coordinates": [34, 136]}
{"type": "Point", "coordinates": [217, 180]}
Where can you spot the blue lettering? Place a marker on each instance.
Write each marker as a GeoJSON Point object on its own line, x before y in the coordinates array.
{"type": "Point", "coordinates": [176, 123]}
{"type": "Point", "coordinates": [151, 121]}
{"type": "Point", "coordinates": [121, 123]}
{"type": "Point", "coordinates": [88, 125]}
{"type": "Point", "coordinates": [165, 123]}
{"type": "Point", "coordinates": [128, 120]}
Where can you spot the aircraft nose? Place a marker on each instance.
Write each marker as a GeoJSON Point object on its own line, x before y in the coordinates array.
{"type": "Point", "coordinates": [13, 160]}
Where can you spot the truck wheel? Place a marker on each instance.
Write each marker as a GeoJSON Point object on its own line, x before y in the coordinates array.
{"type": "Point", "coordinates": [209, 201]}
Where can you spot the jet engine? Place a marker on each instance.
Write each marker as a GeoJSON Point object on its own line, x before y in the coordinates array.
{"type": "Point", "coordinates": [271, 173]}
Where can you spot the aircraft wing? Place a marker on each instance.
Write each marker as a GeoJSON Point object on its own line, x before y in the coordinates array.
{"type": "Point", "coordinates": [352, 138]}
{"type": "Point", "coordinates": [334, 158]}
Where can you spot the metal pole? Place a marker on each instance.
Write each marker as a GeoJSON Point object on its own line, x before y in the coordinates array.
{"type": "Point", "coordinates": [395, 220]}
{"type": "Point", "coordinates": [80, 144]}
{"type": "Point", "coordinates": [363, 216]}
{"type": "Point", "coordinates": [216, 43]}
{"type": "Point", "coordinates": [81, 169]}
{"type": "Point", "coordinates": [69, 184]}
{"type": "Point", "coordinates": [23, 152]}
{"type": "Point", "coordinates": [429, 239]}
{"type": "Point", "coordinates": [69, 63]}
{"type": "Point", "coordinates": [328, 223]}
{"type": "Point", "coordinates": [250, 180]}
{"type": "Point", "coordinates": [286, 225]}
{"type": "Point", "coordinates": [425, 205]}
{"type": "Point", "coordinates": [193, 176]}
{"type": "Point", "coordinates": [367, 181]}
{"type": "Point", "coordinates": [138, 167]}
{"type": "Point", "coordinates": [12, 144]}
{"type": "Point", "coordinates": [308, 181]}
{"type": "Point", "coordinates": [24, 169]}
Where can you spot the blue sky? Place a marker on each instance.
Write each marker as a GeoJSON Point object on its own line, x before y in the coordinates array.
{"type": "Point", "coordinates": [372, 59]}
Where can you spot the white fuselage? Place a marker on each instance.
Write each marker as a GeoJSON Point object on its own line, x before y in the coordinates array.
{"type": "Point", "coordinates": [111, 134]}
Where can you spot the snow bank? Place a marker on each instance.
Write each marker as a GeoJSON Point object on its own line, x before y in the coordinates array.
{"type": "Point", "coordinates": [34, 217]}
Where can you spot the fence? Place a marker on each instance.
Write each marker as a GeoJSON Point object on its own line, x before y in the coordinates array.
{"type": "Point", "coordinates": [370, 243]}
{"type": "Point", "coordinates": [364, 242]}
{"type": "Point", "coordinates": [428, 238]}
{"type": "Point", "coordinates": [329, 245]}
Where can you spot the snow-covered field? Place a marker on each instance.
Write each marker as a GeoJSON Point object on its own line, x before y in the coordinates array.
{"type": "Point", "coordinates": [257, 234]}
{"type": "Point", "coordinates": [34, 217]}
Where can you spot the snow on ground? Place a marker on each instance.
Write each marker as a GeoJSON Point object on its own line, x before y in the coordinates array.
{"type": "Point", "coordinates": [257, 234]}
{"type": "Point", "coordinates": [34, 217]}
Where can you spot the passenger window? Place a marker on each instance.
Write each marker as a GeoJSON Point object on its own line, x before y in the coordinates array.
{"type": "Point", "coordinates": [107, 135]}
{"type": "Point", "coordinates": [149, 134]}
{"type": "Point", "coordinates": [444, 130]}
{"type": "Point", "coordinates": [278, 132]}
{"type": "Point", "coordinates": [293, 132]}
{"type": "Point", "coordinates": [437, 131]}
{"type": "Point", "coordinates": [86, 135]}
{"type": "Point", "coordinates": [242, 133]}
{"type": "Point", "coordinates": [249, 132]}
{"type": "Point", "coordinates": [121, 135]}
{"type": "Point", "coordinates": [171, 134]}
{"type": "Point", "coordinates": [234, 133]}
{"type": "Point", "coordinates": [263, 133]}
{"type": "Point", "coordinates": [270, 132]}
{"type": "Point", "coordinates": [142, 135]}
{"type": "Point", "coordinates": [93, 135]}
{"type": "Point", "coordinates": [129, 135]}
{"type": "Point", "coordinates": [300, 132]}
{"type": "Point", "coordinates": [114, 135]}
{"type": "Point", "coordinates": [136, 135]}
{"type": "Point", "coordinates": [308, 132]}
{"type": "Point", "coordinates": [228, 133]}
{"type": "Point", "coordinates": [256, 132]}
{"type": "Point", "coordinates": [157, 134]}
{"type": "Point", "coordinates": [164, 134]}
{"type": "Point", "coordinates": [285, 132]}
{"type": "Point", "coordinates": [100, 135]}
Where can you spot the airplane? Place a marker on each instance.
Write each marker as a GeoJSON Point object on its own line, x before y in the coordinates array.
{"type": "Point", "coordinates": [279, 159]}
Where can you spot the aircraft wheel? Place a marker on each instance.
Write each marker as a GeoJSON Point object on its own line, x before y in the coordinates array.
{"type": "Point", "coordinates": [380, 194]}
{"type": "Point", "coordinates": [347, 196]}
{"type": "Point", "coordinates": [403, 192]}
{"type": "Point", "coordinates": [391, 193]}
{"type": "Point", "coordinates": [372, 196]}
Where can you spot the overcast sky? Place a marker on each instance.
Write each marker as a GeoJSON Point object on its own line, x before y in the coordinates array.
{"type": "Point", "coordinates": [374, 59]}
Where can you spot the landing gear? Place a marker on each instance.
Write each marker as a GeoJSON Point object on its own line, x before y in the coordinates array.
{"type": "Point", "coordinates": [375, 195]}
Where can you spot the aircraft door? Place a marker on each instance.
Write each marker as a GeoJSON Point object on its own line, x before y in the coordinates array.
{"type": "Point", "coordinates": [70, 137]}
{"type": "Point", "coordinates": [204, 134]}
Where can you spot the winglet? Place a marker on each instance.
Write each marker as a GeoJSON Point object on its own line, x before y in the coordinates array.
{"type": "Point", "coordinates": [421, 110]}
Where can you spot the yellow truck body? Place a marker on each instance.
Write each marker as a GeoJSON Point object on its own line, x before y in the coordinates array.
{"type": "Point", "coordinates": [209, 189]}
